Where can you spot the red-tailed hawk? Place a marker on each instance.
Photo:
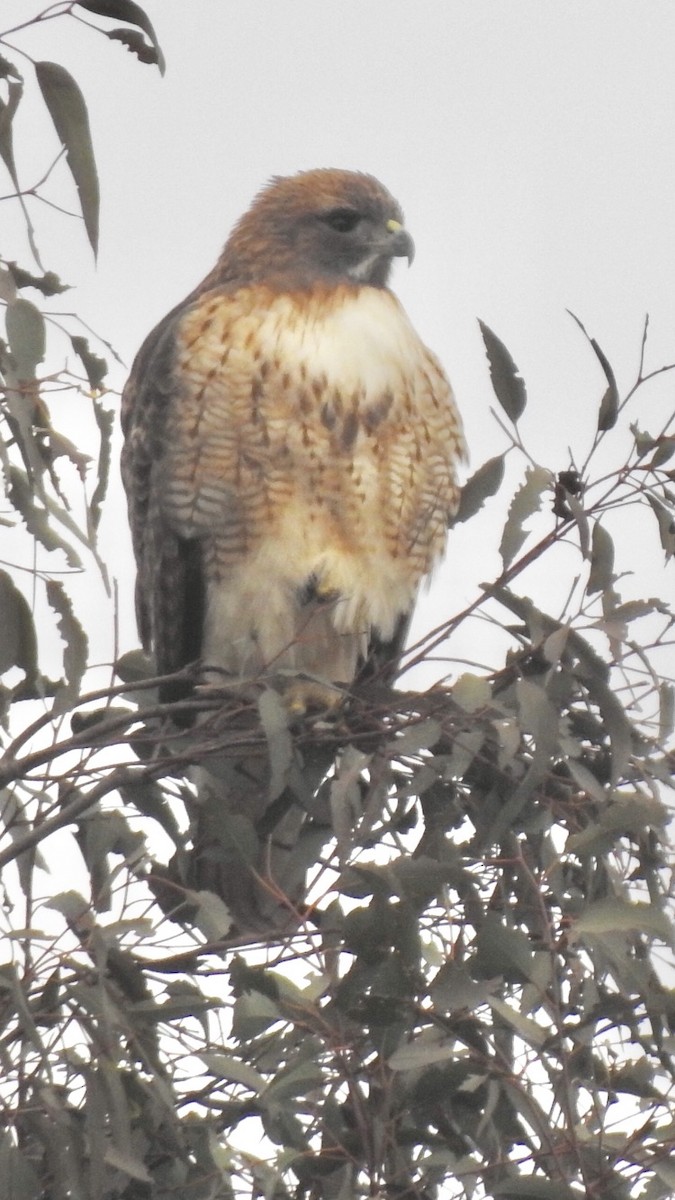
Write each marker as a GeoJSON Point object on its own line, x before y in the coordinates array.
{"type": "Point", "coordinates": [291, 446]}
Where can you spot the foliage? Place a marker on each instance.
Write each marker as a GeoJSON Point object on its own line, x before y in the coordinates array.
{"type": "Point", "coordinates": [474, 997]}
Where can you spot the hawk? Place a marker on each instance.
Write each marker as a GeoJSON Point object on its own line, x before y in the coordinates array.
{"type": "Point", "coordinates": [291, 445]}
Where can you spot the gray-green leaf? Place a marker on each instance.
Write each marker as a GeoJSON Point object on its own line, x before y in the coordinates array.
{"type": "Point", "coordinates": [508, 383]}
{"type": "Point", "coordinates": [483, 483]}
{"type": "Point", "coordinates": [68, 112]}
{"type": "Point", "coordinates": [525, 503]}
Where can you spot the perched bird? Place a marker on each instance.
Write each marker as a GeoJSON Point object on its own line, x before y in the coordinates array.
{"type": "Point", "coordinates": [291, 446]}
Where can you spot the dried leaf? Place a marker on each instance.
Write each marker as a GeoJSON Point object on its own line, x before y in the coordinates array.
{"type": "Point", "coordinates": [127, 10]}
{"type": "Point", "coordinates": [105, 420]}
{"type": "Point", "coordinates": [96, 368]}
{"type": "Point", "coordinates": [48, 283]}
{"type": "Point", "coordinates": [135, 43]}
{"type": "Point", "coordinates": [525, 503]}
{"type": "Point", "coordinates": [68, 111]}
{"type": "Point", "coordinates": [37, 519]}
{"type": "Point", "coordinates": [507, 382]}
{"type": "Point", "coordinates": [76, 646]}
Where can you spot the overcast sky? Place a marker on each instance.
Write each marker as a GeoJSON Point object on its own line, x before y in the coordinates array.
{"type": "Point", "coordinates": [530, 144]}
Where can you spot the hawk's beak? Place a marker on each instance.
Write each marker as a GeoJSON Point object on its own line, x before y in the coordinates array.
{"type": "Point", "coordinates": [400, 243]}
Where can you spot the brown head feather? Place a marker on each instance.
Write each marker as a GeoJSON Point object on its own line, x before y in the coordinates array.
{"type": "Point", "coordinates": [323, 225]}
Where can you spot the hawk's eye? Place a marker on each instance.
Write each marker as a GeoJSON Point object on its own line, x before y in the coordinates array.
{"type": "Point", "coordinates": [341, 219]}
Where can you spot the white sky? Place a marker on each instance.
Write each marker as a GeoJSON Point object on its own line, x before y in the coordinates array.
{"type": "Point", "coordinates": [531, 144]}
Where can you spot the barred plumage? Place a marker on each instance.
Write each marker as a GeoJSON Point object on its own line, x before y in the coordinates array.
{"type": "Point", "coordinates": [291, 445]}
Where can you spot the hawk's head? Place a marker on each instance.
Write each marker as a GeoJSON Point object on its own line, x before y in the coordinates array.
{"type": "Point", "coordinates": [325, 225]}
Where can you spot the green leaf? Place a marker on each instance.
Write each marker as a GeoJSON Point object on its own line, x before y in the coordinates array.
{"type": "Point", "coordinates": [609, 405]}
{"type": "Point", "coordinates": [484, 482]}
{"type": "Point", "coordinates": [124, 1160]}
{"type": "Point", "coordinates": [644, 442]}
{"type": "Point", "coordinates": [226, 1066]}
{"type": "Point", "coordinates": [665, 448]}
{"type": "Point", "coordinates": [507, 381]}
{"type": "Point", "coordinates": [25, 326]}
{"type": "Point", "coordinates": [18, 1180]}
{"type": "Point", "coordinates": [213, 917]}
{"type": "Point", "coordinates": [525, 1027]}
{"type": "Point", "coordinates": [472, 692]}
{"type": "Point", "coordinates": [527, 1187]}
{"type": "Point", "coordinates": [526, 502]}
{"type": "Point", "coordinates": [453, 988]}
{"type": "Point", "coordinates": [70, 904]}
{"type": "Point", "coordinates": [18, 642]}
{"type": "Point", "coordinates": [612, 711]}
{"type": "Point", "coordinates": [68, 111]}
{"type": "Point", "coordinates": [300, 1079]}
{"type": "Point", "coordinates": [7, 69]}
{"type": "Point", "coordinates": [501, 950]}
{"type": "Point", "coordinates": [615, 915]}
{"type": "Point", "coordinates": [76, 646]}
{"type": "Point", "coordinates": [601, 575]}
{"type": "Point", "coordinates": [274, 719]}
{"type": "Point", "coordinates": [253, 1013]}
{"type": "Point", "coordinates": [127, 10]}
{"type": "Point", "coordinates": [666, 524]}
{"type": "Point", "coordinates": [425, 1049]}
{"type": "Point", "coordinates": [631, 813]}
{"type": "Point", "coordinates": [666, 711]}
{"type": "Point", "coordinates": [7, 110]}
{"type": "Point", "coordinates": [420, 735]}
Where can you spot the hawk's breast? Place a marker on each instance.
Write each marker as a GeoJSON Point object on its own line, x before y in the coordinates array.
{"type": "Point", "coordinates": [312, 436]}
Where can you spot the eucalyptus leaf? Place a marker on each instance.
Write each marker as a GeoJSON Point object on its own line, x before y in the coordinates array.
{"type": "Point", "coordinates": [76, 645]}
{"type": "Point", "coordinates": [26, 336]}
{"type": "Point", "coordinates": [68, 111]}
{"type": "Point", "coordinates": [127, 10]}
{"type": "Point", "coordinates": [507, 381]}
{"type": "Point", "coordinates": [485, 482]}
{"type": "Point", "coordinates": [526, 502]}
{"type": "Point", "coordinates": [609, 404]}
{"type": "Point", "coordinates": [601, 575]}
